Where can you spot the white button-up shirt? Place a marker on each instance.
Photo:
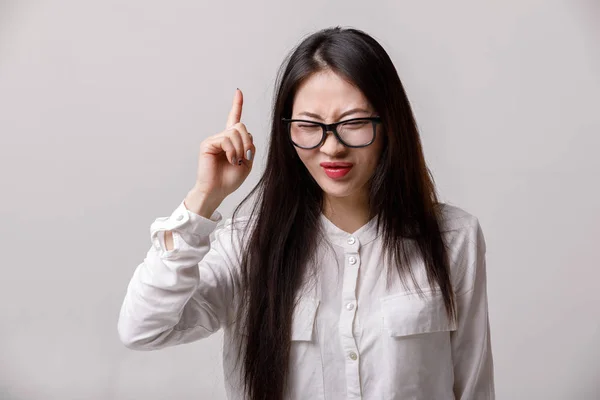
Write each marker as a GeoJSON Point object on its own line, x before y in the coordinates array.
{"type": "Point", "coordinates": [352, 337]}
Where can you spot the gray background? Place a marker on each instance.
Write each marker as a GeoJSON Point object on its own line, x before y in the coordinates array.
{"type": "Point", "coordinates": [103, 105]}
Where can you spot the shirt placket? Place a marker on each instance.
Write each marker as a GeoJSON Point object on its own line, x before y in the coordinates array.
{"type": "Point", "coordinates": [347, 315]}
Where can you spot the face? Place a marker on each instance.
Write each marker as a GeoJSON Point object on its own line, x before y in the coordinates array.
{"type": "Point", "coordinates": [327, 98]}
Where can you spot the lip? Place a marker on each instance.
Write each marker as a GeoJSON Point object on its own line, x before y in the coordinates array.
{"type": "Point", "coordinates": [336, 170]}
{"type": "Point", "coordinates": [336, 165]}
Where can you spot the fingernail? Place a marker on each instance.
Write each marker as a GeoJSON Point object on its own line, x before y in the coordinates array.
{"type": "Point", "coordinates": [233, 160]}
{"type": "Point", "coordinates": [249, 155]}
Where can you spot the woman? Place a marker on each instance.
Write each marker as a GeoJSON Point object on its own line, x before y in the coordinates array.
{"type": "Point", "coordinates": [348, 279]}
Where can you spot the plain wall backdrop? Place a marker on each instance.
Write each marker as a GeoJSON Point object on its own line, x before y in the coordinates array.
{"type": "Point", "coordinates": [103, 105]}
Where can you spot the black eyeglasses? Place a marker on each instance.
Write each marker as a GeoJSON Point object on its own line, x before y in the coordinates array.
{"type": "Point", "coordinates": [355, 132]}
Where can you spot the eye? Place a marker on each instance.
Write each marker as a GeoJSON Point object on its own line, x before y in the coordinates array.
{"type": "Point", "coordinates": [355, 124]}
{"type": "Point", "coordinates": [307, 126]}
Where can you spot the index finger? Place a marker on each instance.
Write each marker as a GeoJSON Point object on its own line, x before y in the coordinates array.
{"type": "Point", "coordinates": [236, 109]}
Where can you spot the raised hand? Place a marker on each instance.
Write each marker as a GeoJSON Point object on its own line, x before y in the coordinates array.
{"type": "Point", "coordinates": [224, 162]}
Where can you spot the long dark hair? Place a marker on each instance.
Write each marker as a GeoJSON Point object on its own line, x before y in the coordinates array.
{"type": "Point", "coordinates": [288, 202]}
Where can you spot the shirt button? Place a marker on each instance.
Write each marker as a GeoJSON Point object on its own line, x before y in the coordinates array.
{"type": "Point", "coordinates": [180, 217]}
{"type": "Point", "coordinates": [352, 260]}
{"type": "Point", "coordinates": [350, 306]}
{"type": "Point", "coordinates": [352, 355]}
{"type": "Point", "coordinates": [351, 240]}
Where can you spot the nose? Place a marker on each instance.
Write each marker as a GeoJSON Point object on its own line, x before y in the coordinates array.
{"type": "Point", "coordinates": [332, 146]}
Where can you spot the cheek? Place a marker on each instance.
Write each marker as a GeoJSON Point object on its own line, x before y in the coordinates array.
{"type": "Point", "coordinates": [307, 157]}
{"type": "Point", "coordinates": [371, 166]}
{"type": "Point", "coordinates": [372, 156]}
{"type": "Point", "coordinates": [376, 150]}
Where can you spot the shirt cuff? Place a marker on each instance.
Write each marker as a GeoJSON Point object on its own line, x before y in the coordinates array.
{"type": "Point", "coordinates": [188, 224]}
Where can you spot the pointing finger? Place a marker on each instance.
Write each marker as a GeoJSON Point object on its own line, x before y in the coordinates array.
{"type": "Point", "coordinates": [236, 109]}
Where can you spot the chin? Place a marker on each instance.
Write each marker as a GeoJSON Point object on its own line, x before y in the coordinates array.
{"type": "Point", "coordinates": [337, 189]}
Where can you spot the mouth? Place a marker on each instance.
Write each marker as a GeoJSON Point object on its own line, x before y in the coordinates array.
{"type": "Point", "coordinates": [336, 170]}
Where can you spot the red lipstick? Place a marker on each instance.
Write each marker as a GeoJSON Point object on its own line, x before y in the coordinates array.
{"type": "Point", "coordinates": [336, 170]}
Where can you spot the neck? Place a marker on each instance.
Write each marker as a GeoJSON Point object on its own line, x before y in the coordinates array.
{"type": "Point", "coordinates": [347, 213]}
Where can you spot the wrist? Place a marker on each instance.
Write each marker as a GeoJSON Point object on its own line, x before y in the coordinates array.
{"type": "Point", "coordinates": [201, 203]}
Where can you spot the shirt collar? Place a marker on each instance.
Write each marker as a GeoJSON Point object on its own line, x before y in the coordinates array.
{"type": "Point", "coordinates": [365, 234]}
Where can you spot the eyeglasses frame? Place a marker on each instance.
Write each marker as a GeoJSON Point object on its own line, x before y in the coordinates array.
{"type": "Point", "coordinates": [332, 128]}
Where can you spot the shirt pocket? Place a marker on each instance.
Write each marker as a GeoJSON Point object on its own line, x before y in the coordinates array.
{"type": "Point", "coordinates": [417, 346]}
{"type": "Point", "coordinates": [305, 373]}
{"type": "Point", "coordinates": [411, 314]}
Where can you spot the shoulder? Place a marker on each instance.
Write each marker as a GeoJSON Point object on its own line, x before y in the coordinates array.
{"type": "Point", "coordinates": [463, 236]}
{"type": "Point", "coordinates": [457, 223]}
{"type": "Point", "coordinates": [454, 218]}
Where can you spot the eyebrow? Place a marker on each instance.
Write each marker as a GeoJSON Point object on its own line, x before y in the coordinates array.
{"type": "Point", "coordinates": [342, 115]}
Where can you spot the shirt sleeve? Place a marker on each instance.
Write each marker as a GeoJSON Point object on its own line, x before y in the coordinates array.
{"type": "Point", "coordinates": [184, 294]}
{"type": "Point", "coordinates": [471, 342]}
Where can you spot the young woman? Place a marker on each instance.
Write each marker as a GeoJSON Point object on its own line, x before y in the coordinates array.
{"type": "Point", "coordinates": [348, 279]}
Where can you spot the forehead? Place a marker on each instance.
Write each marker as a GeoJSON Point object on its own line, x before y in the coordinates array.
{"type": "Point", "coordinates": [325, 93]}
